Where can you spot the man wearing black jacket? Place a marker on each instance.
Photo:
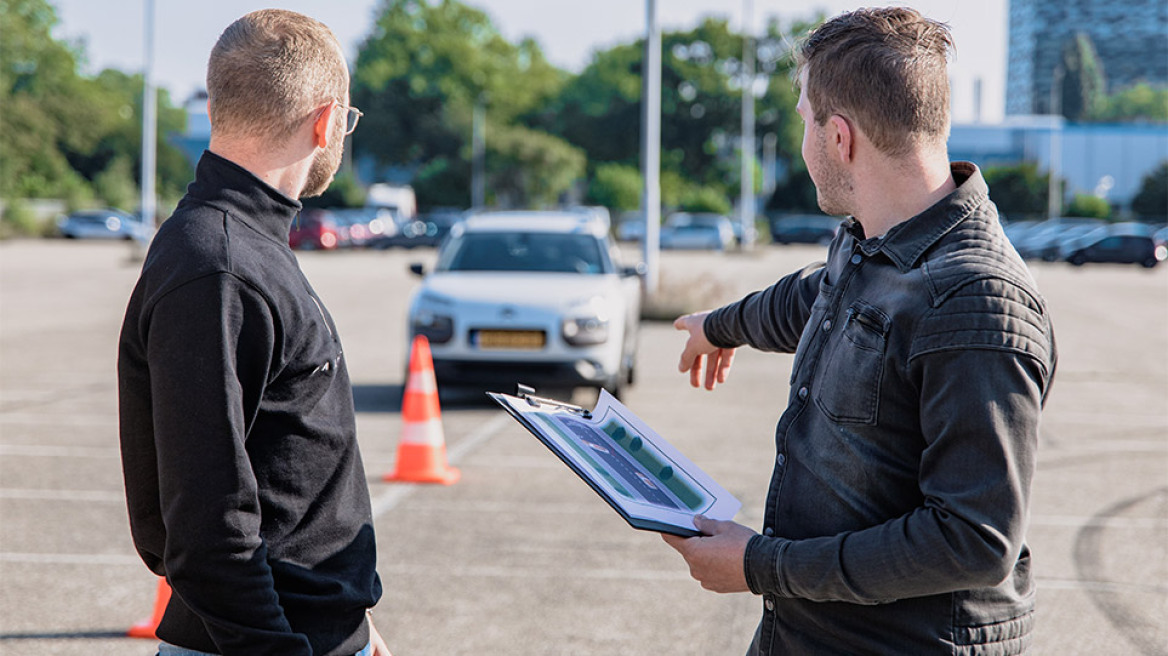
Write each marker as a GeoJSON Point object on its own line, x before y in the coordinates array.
{"type": "Point", "coordinates": [896, 517]}
{"type": "Point", "coordinates": [244, 481]}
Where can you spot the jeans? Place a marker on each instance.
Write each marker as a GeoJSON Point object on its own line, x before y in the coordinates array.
{"type": "Point", "coordinates": [165, 649]}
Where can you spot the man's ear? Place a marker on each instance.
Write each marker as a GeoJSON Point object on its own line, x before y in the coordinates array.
{"type": "Point", "coordinates": [320, 126]}
{"type": "Point", "coordinates": [841, 138]}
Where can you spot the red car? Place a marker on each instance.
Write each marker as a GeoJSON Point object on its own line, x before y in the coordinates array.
{"type": "Point", "coordinates": [314, 229]}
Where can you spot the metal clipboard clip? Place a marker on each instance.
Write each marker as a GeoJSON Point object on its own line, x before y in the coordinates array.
{"type": "Point", "coordinates": [528, 394]}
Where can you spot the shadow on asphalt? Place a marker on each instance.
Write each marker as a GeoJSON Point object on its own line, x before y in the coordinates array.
{"type": "Point", "coordinates": [388, 398]}
{"type": "Point", "coordinates": [63, 635]}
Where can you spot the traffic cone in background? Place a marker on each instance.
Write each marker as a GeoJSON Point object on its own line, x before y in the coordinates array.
{"type": "Point", "coordinates": [147, 627]}
{"type": "Point", "coordinates": [421, 450]}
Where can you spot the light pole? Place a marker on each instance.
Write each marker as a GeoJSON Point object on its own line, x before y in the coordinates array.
{"type": "Point", "coordinates": [1054, 195]}
{"type": "Point", "coordinates": [746, 189]}
{"type": "Point", "coordinates": [478, 181]}
{"type": "Point", "coordinates": [651, 146]}
{"type": "Point", "coordinates": [149, 122]}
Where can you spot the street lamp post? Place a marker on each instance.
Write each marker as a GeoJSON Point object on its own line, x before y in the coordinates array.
{"type": "Point", "coordinates": [746, 189]}
{"type": "Point", "coordinates": [1054, 194]}
{"type": "Point", "coordinates": [651, 146]}
{"type": "Point", "coordinates": [149, 121]}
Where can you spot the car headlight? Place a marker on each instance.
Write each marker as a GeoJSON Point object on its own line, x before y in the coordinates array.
{"type": "Point", "coordinates": [583, 331]}
{"type": "Point", "coordinates": [438, 328]}
{"type": "Point", "coordinates": [587, 321]}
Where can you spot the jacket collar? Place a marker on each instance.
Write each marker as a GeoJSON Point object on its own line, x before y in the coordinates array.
{"type": "Point", "coordinates": [223, 184]}
{"type": "Point", "coordinates": [906, 242]}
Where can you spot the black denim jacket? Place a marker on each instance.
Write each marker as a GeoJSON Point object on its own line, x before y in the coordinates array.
{"type": "Point", "coordinates": [896, 517]}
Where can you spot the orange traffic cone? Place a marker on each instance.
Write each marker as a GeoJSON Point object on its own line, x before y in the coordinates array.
{"type": "Point", "coordinates": [147, 627]}
{"type": "Point", "coordinates": [421, 452]}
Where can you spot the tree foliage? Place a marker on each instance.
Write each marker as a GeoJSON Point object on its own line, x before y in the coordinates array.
{"type": "Point", "coordinates": [1138, 103]}
{"type": "Point", "coordinates": [66, 135]}
{"type": "Point", "coordinates": [1089, 206]}
{"type": "Point", "coordinates": [616, 186]}
{"type": "Point", "coordinates": [1018, 190]}
{"type": "Point", "coordinates": [418, 77]}
{"type": "Point", "coordinates": [1083, 85]}
{"type": "Point", "coordinates": [701, 103]}
{"type": "Point", "coordinates": [1152, 198]}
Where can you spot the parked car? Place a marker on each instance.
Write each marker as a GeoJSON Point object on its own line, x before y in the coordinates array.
{"type": "Point", "coordinates": [1119, 248]}
{"type": "Point", "coordinates": [314, 229]}
{"type": "Point", "coordinates": [103, 224]}
{"type": "Point", "coordinates": [529, 297]}
{"type": "Point", "coordinates": [697, 231]}
{"type": "Point", "coordinates": [1160, 236]}
{"type": "Point", "coordinates": [804, 229]}
{"type": "Point", "coordinates": [357, 227]}
{"type": "Point", "coordinates": [1043, 240]}
{"type": "Point", "coordinates": [630, 227]}
{"type": "Point", "coordinates": [427, 230]}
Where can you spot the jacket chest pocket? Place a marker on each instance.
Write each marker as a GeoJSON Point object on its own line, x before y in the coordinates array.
{"type": "Point", "coordinates": [849, 388]}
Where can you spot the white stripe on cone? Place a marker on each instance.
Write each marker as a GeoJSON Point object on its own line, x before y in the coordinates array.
{"type": "Point", "coordinates": [422, 382]}
{"type": "Point", "coordinates": [423, 432]}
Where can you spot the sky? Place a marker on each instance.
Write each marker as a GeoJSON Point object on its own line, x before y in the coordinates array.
{"type": "Point", "coordinates": [568, 31]}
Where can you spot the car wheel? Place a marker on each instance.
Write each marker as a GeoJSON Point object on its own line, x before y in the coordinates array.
{"type": "Point", "coordinates": [1150, 262]}
{"type": "Point", "coordinates": [1077, 259]}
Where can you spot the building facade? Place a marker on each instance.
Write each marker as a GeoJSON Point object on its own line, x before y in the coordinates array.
{"type": "Point", "coordinates": [1130, 36]}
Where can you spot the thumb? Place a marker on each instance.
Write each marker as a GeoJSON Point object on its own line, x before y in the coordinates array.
{"type": "Point", "coordinates": [680, 323]}
{"type": "Point", "coordinates": [706, 525]}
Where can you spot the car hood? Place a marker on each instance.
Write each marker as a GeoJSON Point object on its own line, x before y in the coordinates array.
{"type": "Point", "coordinates": [546, 289]}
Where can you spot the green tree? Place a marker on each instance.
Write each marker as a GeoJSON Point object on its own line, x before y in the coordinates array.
{"type": "Point", "coordinates": [529, 168]}
{"type": "Point", "coordinates": [1152, 198]}
{"type": "Point", "coordinates": [701, 101]}
{"type": "Point", "coordinates": [1083, 85]}
{"type": "Point", "coordinates": [418, 77]}
{"type": "Point", "coordinates": [1018, 191]}
{"type": "Point", "coordinates": [42, 99]}
{"type": "Point", "coordinates": [705, 198]}
{"type": "Point", "coordinates": [1090, 206]}
{"type": "Point", "coordinates": [115, 184]}
{"type": "Point", "coordinates": [616, 186]}
{"type": "Point", "coordinates": [1140, 102]}
{"type": "Point", "coordinates": [59, 130]}
{"type": "Point", "coordinates": [794, 194]}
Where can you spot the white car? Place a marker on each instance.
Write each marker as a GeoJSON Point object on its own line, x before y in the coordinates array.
{"type": "Point", "coordinates": [697, 231]}
{"type": "Point", "coordinates": [529, 297]}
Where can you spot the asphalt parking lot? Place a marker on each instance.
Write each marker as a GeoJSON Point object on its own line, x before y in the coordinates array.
{"type": "Point", "coordinates": [519, 557]}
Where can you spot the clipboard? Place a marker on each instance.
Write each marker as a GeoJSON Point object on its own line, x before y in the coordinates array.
{"type": "Point", "coordinates": [643, 477]}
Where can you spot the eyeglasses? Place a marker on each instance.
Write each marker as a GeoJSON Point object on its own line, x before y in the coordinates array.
{"type": "Point", "coordinates": [352, 116]}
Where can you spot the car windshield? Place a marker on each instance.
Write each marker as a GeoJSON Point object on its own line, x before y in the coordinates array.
{"type": "Point", "coordinates": [524, 251]}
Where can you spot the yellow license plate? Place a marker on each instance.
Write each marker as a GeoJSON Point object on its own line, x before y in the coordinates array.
{"type": "Point", "coordinates": [512, 339]}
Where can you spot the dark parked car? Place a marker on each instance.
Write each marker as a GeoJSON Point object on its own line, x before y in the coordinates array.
{"type": "Point", "coordinates": [314, 229]}
{"type": "Point", "coordinates": [1119, 248]}
{"type": "Point", "coordinates": [102, 224]}
{"type": "Point", "coordinates": [427, 230]}
{"type": "Point", "coordinates": [1045, 240]}
{"type": "Point", "coordinates": [804, 229]}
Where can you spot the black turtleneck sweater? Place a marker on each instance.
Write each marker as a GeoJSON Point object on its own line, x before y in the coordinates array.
{"type": "Point", "coordinates": [243, 478]}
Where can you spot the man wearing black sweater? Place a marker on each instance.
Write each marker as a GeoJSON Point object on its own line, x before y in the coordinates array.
{"type": "Point", "coordinates": [244, 481]}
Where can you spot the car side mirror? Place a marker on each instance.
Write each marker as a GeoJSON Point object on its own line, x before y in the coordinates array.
{"type": "Point", "coordinates": [639, 270]}
{"type": "Point", "coordinates": [417, 269]}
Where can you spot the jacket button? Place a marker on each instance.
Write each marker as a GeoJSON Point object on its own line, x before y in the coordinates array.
{"type": "Point", "coordinates": [803, 393]}
{"type": "Point", "coordinates": [856, 259]}
{"type": "Point", "coordinates": [827, 325]}
{"type": "Point", "coordinates": [782, 459]}
{"type": "Point", "coordinates": [770, 606]}
{"type": "Point", "coordinates": [768, 531]}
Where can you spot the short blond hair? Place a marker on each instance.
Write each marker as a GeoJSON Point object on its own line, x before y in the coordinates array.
{"type": "Point", "coordinates": [885, 69]}
{"type": "Point", "coordinates": [270, 70]}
